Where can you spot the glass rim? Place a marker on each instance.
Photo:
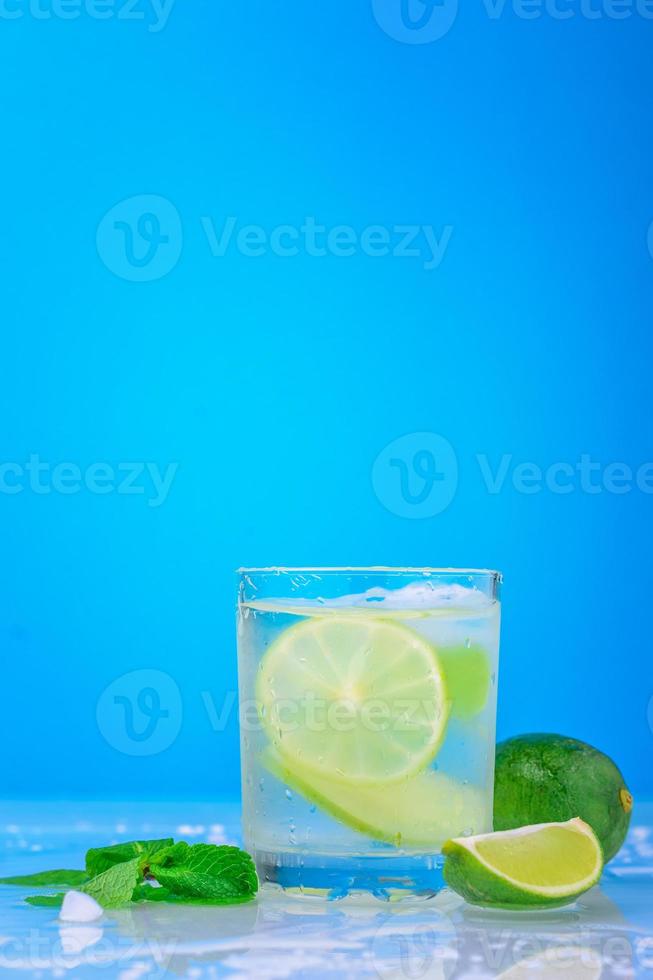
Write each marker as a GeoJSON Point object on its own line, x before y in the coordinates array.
{"type": "Point", "coordinates": [370, 570]}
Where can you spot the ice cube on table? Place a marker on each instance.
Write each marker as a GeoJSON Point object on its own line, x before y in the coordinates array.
{"type": "Point", "coordinates": [78, 907]}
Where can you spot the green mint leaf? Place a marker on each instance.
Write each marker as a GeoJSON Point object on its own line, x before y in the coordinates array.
{"type": "Point", "coordinates": [171, 856]}
{"type": "Point", "coordinates": [146, 893]}
{"type": "Point", "coordinates": [46, 901]}
{"type": "Point", "coordinates": [116, 885]}
{"type": "Point", "coordinates": [100, 859]}
{"type": "Point", "coordinates": [216, 874]}
{"type": "Point", "coordinates": [48, 878]}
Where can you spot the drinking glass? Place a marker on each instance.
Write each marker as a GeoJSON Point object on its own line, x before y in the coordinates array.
{"type": "Point", "coordinates": [367, 716]}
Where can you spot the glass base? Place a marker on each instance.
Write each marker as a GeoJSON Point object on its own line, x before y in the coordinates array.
{"type": "Point", "coordinates": [385, 878]}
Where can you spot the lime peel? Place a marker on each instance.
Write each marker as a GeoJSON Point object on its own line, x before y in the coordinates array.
{"type": "Point", "coordinates": [543, 778]}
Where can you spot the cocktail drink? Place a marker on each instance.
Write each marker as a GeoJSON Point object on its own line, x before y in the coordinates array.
{"type": "Point", "coordinates": [367, 713]}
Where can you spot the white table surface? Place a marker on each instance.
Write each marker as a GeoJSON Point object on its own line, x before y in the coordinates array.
{"type": "Point", "coordinates": [608, 934]}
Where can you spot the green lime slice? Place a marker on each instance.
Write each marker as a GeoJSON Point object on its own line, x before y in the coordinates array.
{"type": "Point", "coordinates": [360, 700]}
{"type": "Point", "coordinates": [546, 865]}
{"type": "Point", "coordinates": [468, 675]}
{"type": "Point", "coordinates": [418, 812]}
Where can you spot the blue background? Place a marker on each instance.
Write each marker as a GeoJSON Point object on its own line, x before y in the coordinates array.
{"type": "Point", "coordinates": [275, 382]}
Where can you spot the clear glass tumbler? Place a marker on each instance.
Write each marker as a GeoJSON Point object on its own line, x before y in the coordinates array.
{"type": "Point", "coordinates": [367, 714]}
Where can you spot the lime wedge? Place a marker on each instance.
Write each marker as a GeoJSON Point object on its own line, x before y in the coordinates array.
{"type": "Point", "coordinates": [361, 700]}
{"type": "Point", "coordinates": [420, 811]}
{"type": "Point", "coordinates": [467, 672]}
{"type": "Point", "coordinates": [546, 865]}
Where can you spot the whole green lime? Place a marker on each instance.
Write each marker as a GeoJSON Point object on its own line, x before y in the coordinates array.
{"type": "Point", "coordinates": [551, 778]}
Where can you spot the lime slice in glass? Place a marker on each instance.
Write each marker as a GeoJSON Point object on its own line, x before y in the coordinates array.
{"type": "Point", "coordinates": [353, 699]}
{"type": "Point", "coordinates": [418, 812]}
{"type": "Point", "coordinates": [468, 676]}
{"type": "Point", "coordinates": [545, 865]}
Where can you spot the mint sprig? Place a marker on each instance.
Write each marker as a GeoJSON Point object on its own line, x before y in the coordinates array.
{"type": "Point", "coordinates": [223, 875]}
{"type": "Point", "coordinates": [187, 873]}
